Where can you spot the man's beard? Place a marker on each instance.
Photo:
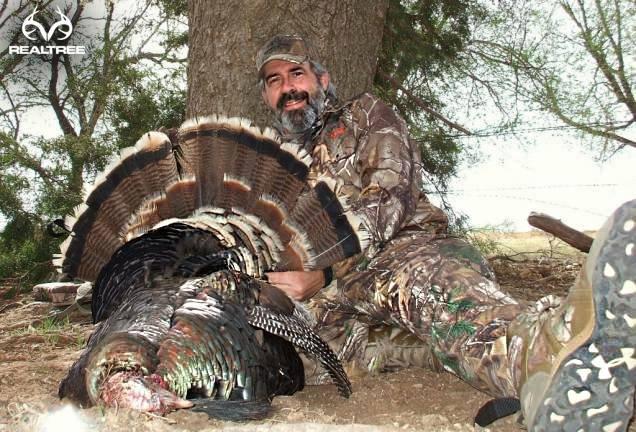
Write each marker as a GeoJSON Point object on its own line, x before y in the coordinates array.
{"type": "Point", "coordinates": [299, 121]}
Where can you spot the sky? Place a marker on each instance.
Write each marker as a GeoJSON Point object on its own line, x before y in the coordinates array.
{"type": "Point", "coordinates": [556, 175]}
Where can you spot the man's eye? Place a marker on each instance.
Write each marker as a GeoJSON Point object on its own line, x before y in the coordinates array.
{"type": "Point", "coordinates": [273, 81]}
{"type": "Point", "coordinates": [296, 74]}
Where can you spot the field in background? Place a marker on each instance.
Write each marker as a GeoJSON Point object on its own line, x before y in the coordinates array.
{"type": "Point", "coordinates": [524, 245]}
{"type": "Point", "coordinates": [530, 265]}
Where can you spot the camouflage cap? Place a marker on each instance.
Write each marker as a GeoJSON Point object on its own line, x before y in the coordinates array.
{"type": "Point", "coordinates": [291, 48]}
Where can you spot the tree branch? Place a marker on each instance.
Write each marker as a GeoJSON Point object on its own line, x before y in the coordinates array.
{"type": "Point", "coordinates": [21, 156]}
{"type": "Point", "coordinates": [597, 54]}
{"type": "Point", "coordinates": [122, 36]}
{"type": "Point", "coordinates": [617, 46]}
{"type": "Point", "coordinates": [9, 65]}
{"type": "Point", "coordinates": [420, 103]}
{"type": "Point", "coordinates": [157, 58]}
{"type": "Point", "coordinates": [553, 106]}
{"type": "Point", "coordinates": [2, 9]}
{"type": "Point", "coordinates": [75, 92]}
{"type": "Point", "coordinates": [14, 109]}
{"type": "Point", "coordinates": [53, 96]}
{"type": "Point", "coordinates": [100, 96]}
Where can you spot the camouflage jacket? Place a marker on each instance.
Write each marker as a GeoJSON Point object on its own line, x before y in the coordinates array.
{"type": "Point", "coordinates": [364, 146]}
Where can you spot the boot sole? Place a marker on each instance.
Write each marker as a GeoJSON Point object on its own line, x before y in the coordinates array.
{"type": "Point", "coordinates": [593, 388]}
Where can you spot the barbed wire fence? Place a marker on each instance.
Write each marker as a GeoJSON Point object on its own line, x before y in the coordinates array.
{"type": "Point", "coordinates": [460, 222]}
{"type": "Point", "coordinates": [485, 193]}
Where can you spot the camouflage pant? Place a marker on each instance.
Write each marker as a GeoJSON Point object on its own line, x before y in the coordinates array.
{"type": "Point", "coordinates": [423, 300]}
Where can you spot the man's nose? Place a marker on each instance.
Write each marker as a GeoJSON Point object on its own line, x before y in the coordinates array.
{"type": "Point", "coordinates": [288, 86]}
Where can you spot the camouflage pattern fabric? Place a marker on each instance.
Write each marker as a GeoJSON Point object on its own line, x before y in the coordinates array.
{"type": "Point", "coordinates": [416, 296]}
{"type": "Point", "coordinates": [436, 288]}
{"type": "Point", "coordinates": [364, 146]}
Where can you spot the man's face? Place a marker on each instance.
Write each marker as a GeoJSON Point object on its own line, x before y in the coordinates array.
{"type": "Point", "coordinates": [295, 93]}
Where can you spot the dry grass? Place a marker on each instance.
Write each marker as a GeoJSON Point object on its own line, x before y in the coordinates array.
{"type": "Point", "coordinates": [520, 246]}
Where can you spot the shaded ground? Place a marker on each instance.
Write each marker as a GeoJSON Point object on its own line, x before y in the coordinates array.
{"type": "Point", "coordinates": [35, 355]}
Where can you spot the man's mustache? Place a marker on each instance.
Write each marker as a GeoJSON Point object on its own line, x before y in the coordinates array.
{"type": "Point", "coordinates": [291, 96]}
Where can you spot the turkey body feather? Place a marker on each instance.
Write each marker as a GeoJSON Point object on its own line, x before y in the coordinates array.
{"type": "Point", "coordinates": [176, 237]}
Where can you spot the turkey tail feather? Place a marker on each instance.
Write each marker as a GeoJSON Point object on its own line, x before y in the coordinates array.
{"type": "Point", "coordinates": [294, 330]}
{"type": "Point", "coordinates": [98, 228]}
{"type": "Point", "coordinates": [253, 186]}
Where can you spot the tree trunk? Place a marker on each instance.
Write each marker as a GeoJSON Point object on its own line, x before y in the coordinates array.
{"type": "Point", "coordinates": [224, 38]}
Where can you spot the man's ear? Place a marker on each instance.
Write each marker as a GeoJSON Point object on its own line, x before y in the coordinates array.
{"type": "Point", "coordinates": [324, 80]}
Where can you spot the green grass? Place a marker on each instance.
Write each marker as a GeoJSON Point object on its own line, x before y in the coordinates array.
{"type": "Point", "coordinates": [51, 329]}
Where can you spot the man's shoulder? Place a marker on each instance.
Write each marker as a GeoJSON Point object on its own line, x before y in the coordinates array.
{"type": "Point", "coordinates": [365, 101]}
{"type": "Point", "coordinates": [370, 109]}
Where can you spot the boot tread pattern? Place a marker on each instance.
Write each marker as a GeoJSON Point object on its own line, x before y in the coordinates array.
{"type": "Point", "coordinates": [593, 389]}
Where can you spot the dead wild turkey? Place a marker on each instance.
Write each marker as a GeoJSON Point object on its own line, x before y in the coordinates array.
{"type": "Point", "coordinates": [176, 237]}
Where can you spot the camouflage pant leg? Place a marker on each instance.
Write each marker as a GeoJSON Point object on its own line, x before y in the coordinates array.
{"type": "Point", "coordinates": [438, 289]}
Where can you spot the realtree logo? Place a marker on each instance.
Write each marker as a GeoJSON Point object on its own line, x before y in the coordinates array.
{"type": "Point", "coordinates": [61, 29]}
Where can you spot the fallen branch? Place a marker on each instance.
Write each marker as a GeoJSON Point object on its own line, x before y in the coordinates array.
{"type": "Point", "coordinates": [553, 226]}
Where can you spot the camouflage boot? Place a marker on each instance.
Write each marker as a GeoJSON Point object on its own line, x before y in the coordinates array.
{"type": "Point", "coordinates": [577, 362]}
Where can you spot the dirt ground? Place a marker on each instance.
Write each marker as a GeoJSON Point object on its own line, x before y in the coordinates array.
{"type": "Point", "coordinates": [35, 355]}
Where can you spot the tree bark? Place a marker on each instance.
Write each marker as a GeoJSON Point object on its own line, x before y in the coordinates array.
{"type": "Point", "coordinates": [553, 226]}
{"type": "Point", "coordinates": [224, 38]}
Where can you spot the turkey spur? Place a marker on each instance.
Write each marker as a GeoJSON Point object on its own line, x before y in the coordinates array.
{"type": "Point", "coordinates": [176, 237]}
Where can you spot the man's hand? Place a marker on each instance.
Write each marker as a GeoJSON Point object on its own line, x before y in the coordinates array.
{"type": "Point", "coordinates": [299, 285]}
